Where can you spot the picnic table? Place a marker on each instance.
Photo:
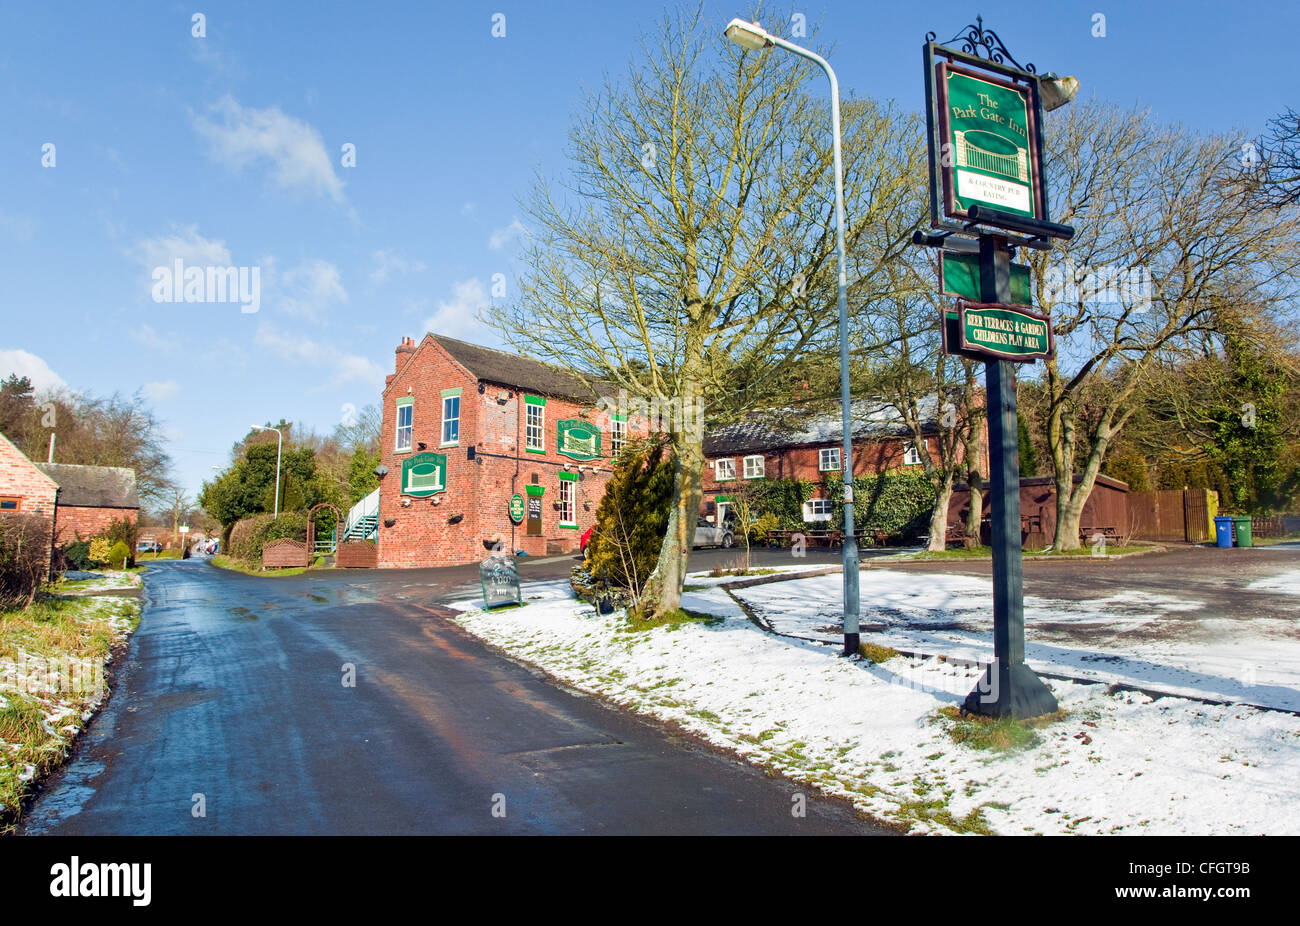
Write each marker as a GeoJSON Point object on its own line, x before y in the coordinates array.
{"type": "Point", "coordinates": [783, 538]}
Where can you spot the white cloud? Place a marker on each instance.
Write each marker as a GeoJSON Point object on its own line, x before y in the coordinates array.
{"type": "Point", "coordinates": [293, 348]}
{"type": "Point", "coordinates": [468, 208]}
{"type": "Point", "coordinates": [22, 363]}
{"type": "Point", "coordinates": [388, 263]}
{"type": "Point", "coordinates": [307, 290]}
{"type": "Point", "coordinates": [157, 392]}
{"type": "Point", "coordinates": [294, 148]}
{"type": "Point", "coordinates": [151, 339]}
{"type": "Point", "coordinates": [184, 242]}
{"type": "Point", "coordinates": [459, 317]}
{"type": "Point", "coordinates": [503, 236]}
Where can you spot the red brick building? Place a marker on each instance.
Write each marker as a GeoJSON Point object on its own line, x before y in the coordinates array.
{"type": "Point", "coordinates": [808, 448]}
{"type": "Point", "coordinates": [91, 498]}
{"type": "Point", "coordinates": [24, 489]}
{"type": "Point", "coordinates": [465, 430]}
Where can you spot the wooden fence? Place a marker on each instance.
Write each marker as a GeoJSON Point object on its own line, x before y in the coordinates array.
{"type": "Point", "coordinates": [1174, 515]}
{"type": "Point", "coordinates": [285, 553]}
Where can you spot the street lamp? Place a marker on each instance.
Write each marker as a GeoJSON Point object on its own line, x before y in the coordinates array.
{"type": "Point", "coordinates": [754, 37]}
{"type": "Point", "coordinates": [278, 447]}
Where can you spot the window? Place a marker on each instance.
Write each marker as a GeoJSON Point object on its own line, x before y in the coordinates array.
{"type": "Point", "coordinates": [535, 424]}
{"type": "Point", "coordinates": [568, 500]}
{"type": "Point", "coordinates": [617, 435]}
{"type": "Point", "coordinates": [818, 509]}
{"type": "Point", "coordinates": [450, 418]}
{"type": "Point", "coordinates": [829, 459]}
{"type": "Point", "coordinates": [726, 469]}
{"type": "Point", "coordinates": [9, 503]}
{"type": "Point", "coordinates": [910, 456]}
{"type": "Point", "coordinates": [405, 418]}
{"type": "Point", "coordinates": [754, 467]}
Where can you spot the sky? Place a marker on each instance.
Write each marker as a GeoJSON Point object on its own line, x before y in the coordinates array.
{"type": "Point", "coordinates": [130, 142]}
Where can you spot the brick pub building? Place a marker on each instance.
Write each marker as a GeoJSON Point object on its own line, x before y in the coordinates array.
{"type": "Point", "coordinates": [465, 429]}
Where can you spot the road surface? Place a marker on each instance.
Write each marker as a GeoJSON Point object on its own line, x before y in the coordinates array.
{"type": "Point", "coordinates": [231, 702]}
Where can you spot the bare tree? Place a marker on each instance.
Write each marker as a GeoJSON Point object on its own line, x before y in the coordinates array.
{"type": "Point", "coordinates": [689, 258]}
{"type": "Point", "coordinates": [1166, 239]}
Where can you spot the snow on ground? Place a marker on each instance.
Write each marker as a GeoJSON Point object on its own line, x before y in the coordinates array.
{"type": "Point", "coordinates": [1126, 636]}
{"type": "Point", "coordinates": [1116, 763]}
{"type": "Point", "coordinates": [1286, 583]}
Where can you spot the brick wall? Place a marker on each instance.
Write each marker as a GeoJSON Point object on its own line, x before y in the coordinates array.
{"type": "Point", "coordinates": [73, 523]}
{"type": "Point", "coordinates": [492, 422]}
{"type": "Point", "coordinates": [19, 479]}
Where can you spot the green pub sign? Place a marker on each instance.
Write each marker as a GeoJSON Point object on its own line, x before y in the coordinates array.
{"type": "Point", "coordinates": [424, 474]}
{"type": "Point", "coordinates": [989, 144]}
{"type": "Point", "coordinates": [1003, 331]}
{"type": "Point", "coordinates": [577, 439]}
{"type": "Point", "coordinates": [516, 508]}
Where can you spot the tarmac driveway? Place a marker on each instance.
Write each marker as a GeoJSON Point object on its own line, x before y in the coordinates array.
{"type": "Point", "coordinates": [230, 715]}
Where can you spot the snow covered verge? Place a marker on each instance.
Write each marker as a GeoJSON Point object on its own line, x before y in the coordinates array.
{"type": "Point", "coordinates": [886, 736]}
{"type": "Point", "coordinates": [53, 660]}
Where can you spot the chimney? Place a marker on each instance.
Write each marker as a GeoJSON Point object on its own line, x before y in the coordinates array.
{"type": "Point", "coordinates": [404, 350]}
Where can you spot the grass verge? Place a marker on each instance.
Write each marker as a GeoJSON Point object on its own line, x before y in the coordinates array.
{"type": "Point", "coordinates": [255, 569]}
{"type": "Point", "coordinates": [997, 734]}
{"type": "Point", "coordinates": [53, 658]}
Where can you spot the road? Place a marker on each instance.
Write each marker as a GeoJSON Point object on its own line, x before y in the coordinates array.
{"type": "Point", "coordinates": [231, 700]}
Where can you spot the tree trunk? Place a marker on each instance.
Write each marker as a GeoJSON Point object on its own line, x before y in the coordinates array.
{"type": "Point", "coordinates": [975, 480]}
{"type": "Point", "coordinates": [939, 516]}
{"type": "Point", "coordinates": [1070, 502]}
{"type": "Point", "coordinates": [663, 591]}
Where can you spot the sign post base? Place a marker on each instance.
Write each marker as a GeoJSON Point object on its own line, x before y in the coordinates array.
{"type": "Point", "coordinates": [1010, 691]}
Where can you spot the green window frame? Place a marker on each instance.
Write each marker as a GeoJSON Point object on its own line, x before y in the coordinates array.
{"type": "Point", "coordinates": [569, 500]}
{"type": "Point", "coordinates": [405, 425]}
{"type": "Point", "coordinates": [534, 424]}
{"type": "Point", "coordinates": [450, 417]}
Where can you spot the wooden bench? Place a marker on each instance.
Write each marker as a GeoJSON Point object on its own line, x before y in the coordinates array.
{"type": "Point", "coordinates": [783, 538]}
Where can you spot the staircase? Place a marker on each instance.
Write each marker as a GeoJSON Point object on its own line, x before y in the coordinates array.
{"type": "Point", "coordinates": [363, 519]}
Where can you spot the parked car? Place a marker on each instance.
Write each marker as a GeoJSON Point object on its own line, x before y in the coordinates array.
{"type": "Point", "coordinates": [709, 534]}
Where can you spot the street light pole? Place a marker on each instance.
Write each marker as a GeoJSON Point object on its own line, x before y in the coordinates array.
{"type": "Point", "coordinates": [754, 37]}
{"type": "Point", "coordinates": [278, 447]}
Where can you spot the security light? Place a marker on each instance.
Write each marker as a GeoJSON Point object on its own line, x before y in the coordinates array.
{"type": "Point", "coordinates": [1056, 91]}
{"type": "Point", "coordinates": [748, 35]}
{"type": "Point", "coordinates": [381, 471]}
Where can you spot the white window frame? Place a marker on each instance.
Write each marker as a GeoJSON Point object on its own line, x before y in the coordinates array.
{"type": "Point", "coordinates": [761, 468]}
{"type": "Point", "coordinates": [450, 420]}
{"type": "Point", "coordinates": [810, 512]}
{"type": "Point", "coordinates": [568, 503]}
{"type": "Point", "coordinates": [725, 474]}
{"type": "Point", "coordinates": [537, 430]}
{"type": "Point", "coordinates": [408, 428]}
{"type": "Point", "coordinates": [617, 436]}
{"type": "Point", "coordinates": [911, 456]}
{"type": "Point", "coordinates": [823, 457]}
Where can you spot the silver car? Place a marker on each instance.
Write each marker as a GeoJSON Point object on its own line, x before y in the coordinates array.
{"type": "Point", "coordinates": [708, 534]}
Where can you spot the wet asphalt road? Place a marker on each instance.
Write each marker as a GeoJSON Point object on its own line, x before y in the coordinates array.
{"type": "Point", "coordinates": [232, 689]}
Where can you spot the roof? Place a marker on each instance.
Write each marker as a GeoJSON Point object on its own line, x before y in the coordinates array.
{"type": "Point", "coordinates": [93, 486]}
{"type": "Point", "coordinates": [497, 366]}
{"type": "Point", "coordinates": [789, 427]}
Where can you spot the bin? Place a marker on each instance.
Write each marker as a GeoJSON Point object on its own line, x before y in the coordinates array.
{"type": "Point", "coordinates": [1223, 531]}
{"type": "Point", "coordinates": [1243, 531]}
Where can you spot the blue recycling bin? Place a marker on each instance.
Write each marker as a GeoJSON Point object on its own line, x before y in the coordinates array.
{"type": "Point", "coordinates": [1223, 531]}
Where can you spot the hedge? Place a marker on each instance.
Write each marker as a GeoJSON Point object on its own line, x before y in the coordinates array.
{"type": "Point", "coordinates": [247, 537]}
{"type": "Point", "coordinates": [897, 503]}
{"type": "Point", "coordinates": [24, 558]}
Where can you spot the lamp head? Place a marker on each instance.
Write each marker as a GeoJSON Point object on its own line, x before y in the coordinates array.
{"type": "Point", "coordinates": [1056, 91]}
{"type": "Point", "coordinates": [747, 35]}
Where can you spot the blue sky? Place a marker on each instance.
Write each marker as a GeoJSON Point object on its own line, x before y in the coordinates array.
{"type": "Point", "coordinates": [226, 150]}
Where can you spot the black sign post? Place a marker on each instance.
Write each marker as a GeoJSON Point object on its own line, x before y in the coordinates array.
{"type": "Point", "coordinates": [984, 116]}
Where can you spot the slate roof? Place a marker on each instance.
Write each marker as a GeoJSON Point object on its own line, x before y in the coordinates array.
{"type": "Point", "coordinates": [497, 366]}
{"type": "Point", "coordinates": [93, 486]}
{"type": "Point", "coordinates": [790, 427]}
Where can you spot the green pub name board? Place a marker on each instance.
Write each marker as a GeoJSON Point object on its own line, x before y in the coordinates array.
{"type": "Point", "coordinates": [516, 508]}
{"type": "Point", "coordinates": [1004, 331]}
{"type": "Point", "coordinates": [577, 439]}
{"type": "Point", "coordinates": [990, 156]}
{"type": "Point", "coordinates": [424, 474]}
